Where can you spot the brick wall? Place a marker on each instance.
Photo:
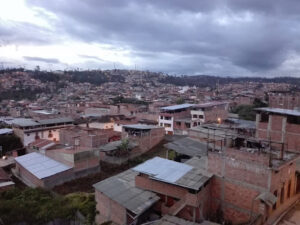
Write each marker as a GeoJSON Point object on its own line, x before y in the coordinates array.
{"type": "Point", "coordinates": [109, 210]}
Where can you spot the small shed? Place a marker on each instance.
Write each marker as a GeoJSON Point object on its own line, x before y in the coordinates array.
{"type": "Point", "coordinates": [37, 170]}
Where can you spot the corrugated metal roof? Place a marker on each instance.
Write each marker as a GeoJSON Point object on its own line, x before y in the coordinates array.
{"type": "Point", "coordinates": [210, 104]}
{"type": "Point", "coordinates": [140, 126]}
{"type": "Point", "coordinates": [280, 111]}
{"type": "Point", "coordinates": [176, 107]}
{"type": "Point", "coordinates": [25, 122]}
{"type": "Point", "coordinates": [121, 188]}
{"type": "Point", "coordinates": [56, 120]}
{"type": "Point", "coordinates": [163, 169]}
{"type": "Point", "coordinates": [6, 131]}
{"type": "Point", "coordinates": [194, 179]}
{"type": "Point", "coordinates": [40, 165]}
{"type": "Point", "coordinates": [176, 173]}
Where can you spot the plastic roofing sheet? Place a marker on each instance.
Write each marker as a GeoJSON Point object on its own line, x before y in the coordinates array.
{"type": "Point", "coordinates": [175, 107]}
{"type": "Point", "coordinates": [163, 169]}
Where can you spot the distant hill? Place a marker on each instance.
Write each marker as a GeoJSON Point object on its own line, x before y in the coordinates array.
{"type": "Point", "coordinates": [98, 77]}
{"type": "Point", "coordinates": [211, 81]}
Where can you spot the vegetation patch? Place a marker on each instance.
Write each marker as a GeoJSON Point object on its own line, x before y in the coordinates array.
{"type": "Point", "coordinates": [39, 206]}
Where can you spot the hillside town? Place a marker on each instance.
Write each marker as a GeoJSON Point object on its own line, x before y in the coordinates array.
{"type": "Point", "coordinates": [152, 152]}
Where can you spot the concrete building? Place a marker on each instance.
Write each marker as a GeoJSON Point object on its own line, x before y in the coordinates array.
{"type": "Point", "coordinates": [169, 114]}
{"type": "Point", "coordinates": [202, 113]}
{"type": "Point", "coordinates": [29, 130]}
{"type": "Point", "coordinates": [209, 112]}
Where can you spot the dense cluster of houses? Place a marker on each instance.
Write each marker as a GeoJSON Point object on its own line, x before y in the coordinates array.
{"type": "Point", "coordinates": [217, 167]}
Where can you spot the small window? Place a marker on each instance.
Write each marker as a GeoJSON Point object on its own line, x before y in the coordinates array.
{"type": "Point", "coordinates": [264, 117]}
{"type": "Point", "coordinates": [178, 123]}
{"type": "Point", "coordinates": [188, 125]}
{"type": "Point", "coordinates": [293, 119]}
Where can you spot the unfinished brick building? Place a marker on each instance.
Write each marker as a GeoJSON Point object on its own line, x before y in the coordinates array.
{"type": "Point", "coordinates": [284, 100]}
{"type": "Point", "coordinates": [239, 179]}
{"type": "Point", "coordinates": [146, 136]}
{"type": "Point", "coordinates": [279, 125]}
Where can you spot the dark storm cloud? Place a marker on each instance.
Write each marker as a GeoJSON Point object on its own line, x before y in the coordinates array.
{"type": "Point", "coordinates": [199, 36]}
{"type": "Point", "coordinates": [39, 59]}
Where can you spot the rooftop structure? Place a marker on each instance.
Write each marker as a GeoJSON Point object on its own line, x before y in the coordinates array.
{"type": "Point", "coordinates": [40, 165]}
{"type": "Point", "coordinates": [6, 131]}
{"type": "Point", "coordinates": [140, 126]}
{"type": "Point", "coordinates": [121, 189]}
{"type": "Point", "coordinates": [188, 146]}
{"type": "Point", "coordinates": [177, 107]}
{"type": "Point", "coordinates": [174, 173]}
{"type": "Point", "coordinates": [289, 112]}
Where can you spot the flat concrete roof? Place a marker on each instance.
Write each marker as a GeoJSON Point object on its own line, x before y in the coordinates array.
{"type": "Point", "coordinates": [188, 146]}
{"type": "Point", "coordinates": [111, 146]}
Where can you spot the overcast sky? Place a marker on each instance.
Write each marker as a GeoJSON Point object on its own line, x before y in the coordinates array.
{"type": "Point", "coordinates": [225, 37]}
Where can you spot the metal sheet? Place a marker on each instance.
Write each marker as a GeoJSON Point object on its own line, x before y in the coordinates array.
{"type": "Point", "coordinates": [163, 169]}
{"type": "Point", "coordinates": [176, 107]}
{"type": "Point", "coordinates": [40, 165]}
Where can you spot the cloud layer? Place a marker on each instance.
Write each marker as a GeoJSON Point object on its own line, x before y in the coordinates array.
{"type": "Point", "coordinates": [184, 37]}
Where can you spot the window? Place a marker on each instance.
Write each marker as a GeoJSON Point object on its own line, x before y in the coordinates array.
{"type": "Point", "coordinates": [188, 125]}
{"type": "Point", "coordinates": [264, 117]}
{"type": "Point", "coordinates": [293, 119]}
{"type": "Point", "coordinates": [178, 124]}
{"type": "Point", "coordinates": [200, 116]}
{"type": "Point", "coordinates": [167, 118]}
{"type": "Point", "coordinates": [274, 206]}
{"type": "Point", "coordinates": [282, 194]}
{"type": "Point", "coordinates": [161, 124]}
{"type": "Point", "coordinates": [289, 190]}
{"type": "Point", "coordinates": [161, 117]}
{"type": "Point", "coordinates": [167, 125]}
{"type": "Point", "coordinates": [195, 116]}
